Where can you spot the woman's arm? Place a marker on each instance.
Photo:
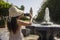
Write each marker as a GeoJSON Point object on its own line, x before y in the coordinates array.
{"type": "Point", "coordinates": [25, 23]}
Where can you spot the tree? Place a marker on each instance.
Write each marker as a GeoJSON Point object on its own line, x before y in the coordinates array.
{"type": "Point", "coordinates": [4, 8]}
{"type": "Point", "coordinates": [22, 7]}
{"type": "Point", "coordinates": [54, 8]}
{"type": "Point", "coordinates": [41, 12]}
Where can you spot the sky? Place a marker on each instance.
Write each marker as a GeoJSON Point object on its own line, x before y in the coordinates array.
{"type": "Point", "coordinates": [35, 4]}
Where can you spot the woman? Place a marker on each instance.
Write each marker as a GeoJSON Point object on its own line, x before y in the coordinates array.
{"type": "Point", "coordinates": [14, 24]}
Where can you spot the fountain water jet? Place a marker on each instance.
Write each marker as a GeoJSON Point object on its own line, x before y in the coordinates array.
{"type": "Point", "coordinates": [46, 18]}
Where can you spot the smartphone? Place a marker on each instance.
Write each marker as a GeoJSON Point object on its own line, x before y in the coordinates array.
{"type": "Point", "coordinates": [26, 14]}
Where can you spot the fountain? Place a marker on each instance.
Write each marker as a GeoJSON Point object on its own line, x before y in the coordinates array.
{"type": "Point", "coordinates": [46, 22]}
{"type": "Point", "coordinates": [47, 29]}
{"type": "Point", "coordinates": [46, 18]}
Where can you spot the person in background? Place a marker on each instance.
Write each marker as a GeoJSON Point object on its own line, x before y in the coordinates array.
{"type": "Point", "coordinates": [14, 23]}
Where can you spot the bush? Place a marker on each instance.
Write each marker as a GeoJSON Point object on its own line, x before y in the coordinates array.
{"type": "Point", "coordinates": [2, 23]}
{"type": "Point", "coordinates": [25, 19]}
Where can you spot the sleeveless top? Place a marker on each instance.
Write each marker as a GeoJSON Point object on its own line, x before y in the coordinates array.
{"type": "Point", "coordinates": [17, 36]}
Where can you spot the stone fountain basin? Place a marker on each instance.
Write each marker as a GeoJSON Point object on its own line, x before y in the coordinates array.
{"type": "Point", "coordinates": [47, 25]}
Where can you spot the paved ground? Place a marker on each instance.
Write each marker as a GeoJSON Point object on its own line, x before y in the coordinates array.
{"type": "Point", "coordinates": [32, 37]}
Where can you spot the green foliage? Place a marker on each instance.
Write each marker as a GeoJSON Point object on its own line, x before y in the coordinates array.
{"type": "Point", "coordinates": [54, 8]}
{"type": "Point", "coordinates": [4, 8]}
{"type": "Point", "coordinates": [40, 16]}
{"type": "Point", "coordinates": [1, 22]}
{"type": "Point", "coordinates": [22, 7]}
{"type": "Point", "coordinates": [3, 11]}
{"type": "Point", "coordinates": [24, 18]}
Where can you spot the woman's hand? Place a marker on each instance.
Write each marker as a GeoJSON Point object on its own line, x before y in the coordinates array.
{"type": "Point", "coordinates": [30, 16]}
{"type": "Point", "coordinates": [30, 19]}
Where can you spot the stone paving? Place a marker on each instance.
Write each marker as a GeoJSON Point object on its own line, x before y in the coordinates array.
{"type": "Point", "coordinates": [32, 37]}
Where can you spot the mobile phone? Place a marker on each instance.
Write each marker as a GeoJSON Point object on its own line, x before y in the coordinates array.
{"type": "Point", "coordinates": [26, 14]}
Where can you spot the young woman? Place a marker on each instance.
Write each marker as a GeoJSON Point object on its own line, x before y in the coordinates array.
{"type": "Point", "coordinates": [14, 24]}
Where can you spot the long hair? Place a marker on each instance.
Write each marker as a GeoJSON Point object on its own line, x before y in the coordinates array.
{"type": "Point", "coordinates": [12, 25]}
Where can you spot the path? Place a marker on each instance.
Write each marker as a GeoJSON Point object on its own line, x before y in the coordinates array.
{"type": "Point", "coordinates": [32, 37]}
